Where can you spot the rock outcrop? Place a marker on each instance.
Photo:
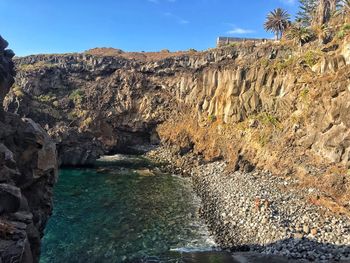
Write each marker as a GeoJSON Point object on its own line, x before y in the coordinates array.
{"type": "Point", "coordinates": [94, 105]}
{"type": "Point", "coordinates": [268, 105]}
{"type": "Point", "coordinates": [90, 105]}
{"type": "Point", "coordinates": [28, 171]}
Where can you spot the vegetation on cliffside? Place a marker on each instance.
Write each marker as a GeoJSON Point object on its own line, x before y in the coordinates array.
{"type": "Point", "coordinates": [281, 106]}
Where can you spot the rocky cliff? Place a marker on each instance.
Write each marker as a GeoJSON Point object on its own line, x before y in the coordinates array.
{"type": "Point", "coordinates": [94, 104]}
{"type": "Point", "coordinates": [28, 171]}
{"type": "Point", "coordinates": [90, 105]}
{"type": "Point", "coordinates": [271, 106]}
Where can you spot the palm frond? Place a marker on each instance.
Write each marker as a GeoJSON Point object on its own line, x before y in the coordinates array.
{"type": "Point", "coordinates": [299, 34]}
{"type": "Point", "coordinates": [277, 21]}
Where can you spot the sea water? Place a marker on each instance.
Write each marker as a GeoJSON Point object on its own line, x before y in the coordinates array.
{"type": "Point", "coordinates": [126, 210]}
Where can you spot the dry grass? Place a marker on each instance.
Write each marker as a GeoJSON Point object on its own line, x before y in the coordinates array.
{"type": "Point", "coordinates": [329, 203]}
{"type": "Point", "coordinates": [269, 146]}
{"type": "Point", "coordinates": [143, 56]}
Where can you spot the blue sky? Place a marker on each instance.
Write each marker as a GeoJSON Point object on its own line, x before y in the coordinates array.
{"type": "Point", "coordinates": [59, 26]}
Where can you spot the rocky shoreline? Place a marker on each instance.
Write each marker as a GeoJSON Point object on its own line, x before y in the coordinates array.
{"type": "Point", "coordinates": [261, 213]}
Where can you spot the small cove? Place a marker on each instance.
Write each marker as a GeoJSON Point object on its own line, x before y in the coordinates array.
{"type": "Point", "coordinates": [126, 210]}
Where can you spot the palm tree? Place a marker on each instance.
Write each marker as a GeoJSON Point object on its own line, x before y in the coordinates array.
{"type": "Point", "coordinates": [322, 32]}
{"type": "Point", "coordinates": [346, 6]}
{"type": "Point", "coordinates": [299, 34]}
{"type": "Point", "coordinates": [277, 22]}
{"type": "Point", "coordinates": [344, 9]}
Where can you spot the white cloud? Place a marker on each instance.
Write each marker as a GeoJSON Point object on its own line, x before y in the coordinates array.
{"type": "Point", "coordinates": [240, 31]}
{"type": "Point", "coordinates": [178, 19]}
{"type": "Point", "coordinates": [184, 21]}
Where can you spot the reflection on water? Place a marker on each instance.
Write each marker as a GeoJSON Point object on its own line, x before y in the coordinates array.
{"type": "Point", "coordinates": [125, 210]}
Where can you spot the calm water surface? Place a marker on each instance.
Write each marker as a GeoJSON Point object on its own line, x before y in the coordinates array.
{"type": "Point", "coordinates": [125, 210]}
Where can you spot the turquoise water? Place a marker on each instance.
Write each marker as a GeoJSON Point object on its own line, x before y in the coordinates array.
{"type": "Point", "coordinates": [125, 210]}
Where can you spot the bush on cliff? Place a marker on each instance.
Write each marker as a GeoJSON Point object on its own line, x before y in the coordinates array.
{"type": "Point", "coordinates": [77, 97]}
{"type": "Point", "coordinates": [18, 91]}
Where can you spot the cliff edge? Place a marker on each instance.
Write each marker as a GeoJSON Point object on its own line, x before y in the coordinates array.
{"type": "Point", "coordinates": [28, 171]}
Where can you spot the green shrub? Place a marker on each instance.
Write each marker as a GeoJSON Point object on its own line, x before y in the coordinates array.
{"type": "Point", "coordinates": [341, 34]}
{"type": "Point", "coordinates": [48, 98]}
{"type": "Point", "coordinates": [55, 103]}
{"type": "Point", "coordinates": [344, 31]}
{"type": "Point", "coordinates": [263, 140]}
{"type": "Point", "coordinates": [77, 113]}
{"type": "Point", "coordinates": [18, 91]}
{"type": "Point", "coordinates": [311, 58]}
{"type": "Point", "coordinates": [299, 34]}
{"type": "Point", "coordinates": [304, 94]}
{"type": "Point", "coordinates": [280, 66]}
{"type": "Point", "coordinates": [86, 123]}
{"type": "Point", "coordinates": [283, 64]}
{"type": "Point", "coordinates": [35, 66]}
{"type": "Point", "coordinates": [264, 62]}
{"type": "Point", "coordinates": [269, 119]}
{"type": "Point", "coordinates": [212, 118]}
{"type": "Point", "coordinates": [346, 27]}
{"type": "Point", "coordinates": [76, 96]}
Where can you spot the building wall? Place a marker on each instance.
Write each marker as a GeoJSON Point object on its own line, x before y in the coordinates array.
{"type": "Point", "coordinates": [224, 41]}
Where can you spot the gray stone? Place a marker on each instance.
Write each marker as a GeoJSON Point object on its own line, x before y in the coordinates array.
{"type": "Point", "coordinates": [306, 229]}
{"type": "Point", "coordinates": [3, 43]}
{"type": "Point", "coordinates": [10, 198]}
{"type": "Point", "coordinates": [9, 53]}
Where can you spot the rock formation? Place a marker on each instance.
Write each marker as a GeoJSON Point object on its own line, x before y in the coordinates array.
{"type": "Point", "coordinates": [99, 104]}
{"type": "Point", "coordinates": [28, 171]}
{"type": "Point", "coordinates": [265, 105]}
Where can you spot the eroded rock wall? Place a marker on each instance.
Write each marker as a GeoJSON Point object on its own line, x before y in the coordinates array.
{"type": "Point", "coordinates": [287, 114]}
{"type": "Point", "coordinates": [314, 100]}
{"type": "Point", "coordinates": [94, 105]}
{"type": "Point", "coordinates": [271, 105]}
{"type": "Point", "coordinates": [28, 171]}
{"type": "Point", "coordinates": [89, 105]}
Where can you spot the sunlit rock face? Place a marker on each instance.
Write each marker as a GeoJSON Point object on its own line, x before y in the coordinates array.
{"type": "Point", "coordinates": [346, 52]}
{"type": "Point", "coordinates": [28, 171]}
{"type": "Point", "coordinates": [94, 104]}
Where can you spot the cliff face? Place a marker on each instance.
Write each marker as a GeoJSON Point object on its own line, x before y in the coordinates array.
{"type": "Point", "coordinates": [90, 105]}
{"type": "Point", "coordinates": [28, 171]}
{"type": "Point", "coordinates": [311, 102]}
{"type": "Point", "coordinates": [96, 104]}
{"type": "Point", "coordinates": [269, 105]}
